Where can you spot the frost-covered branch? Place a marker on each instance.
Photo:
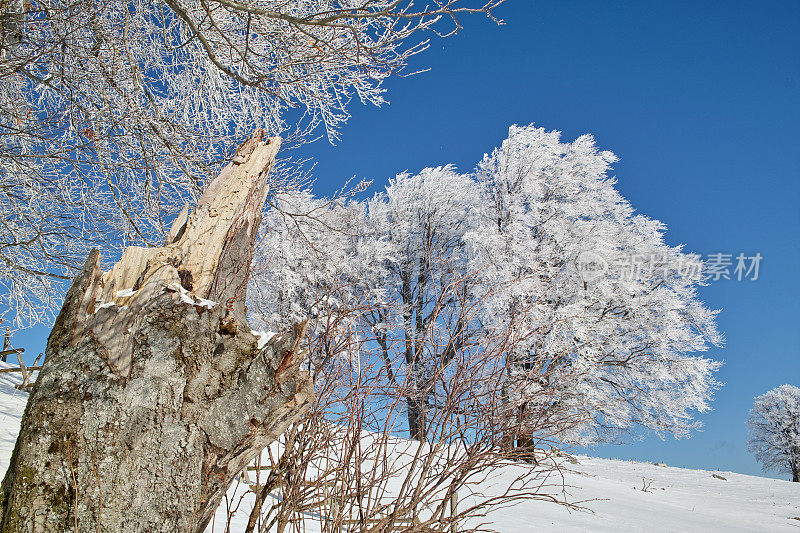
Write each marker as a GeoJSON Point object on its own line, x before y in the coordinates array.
{"type": "Point", "coordinates": [114, 114]}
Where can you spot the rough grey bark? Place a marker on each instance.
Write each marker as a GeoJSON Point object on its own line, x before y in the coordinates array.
{"type": "Point", "coordinates": [152, 398]}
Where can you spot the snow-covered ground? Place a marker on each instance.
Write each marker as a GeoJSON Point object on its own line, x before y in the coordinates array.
{"type": "Point", "coordinates": [611, 491]}
{"type": "Point", "coordinates": [12, 404]}
{"type": "Point", "coordinates": [673, 499]}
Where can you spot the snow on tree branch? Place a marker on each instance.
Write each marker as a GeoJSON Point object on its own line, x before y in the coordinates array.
{"type": "Point", "coordinates": [114, 114]}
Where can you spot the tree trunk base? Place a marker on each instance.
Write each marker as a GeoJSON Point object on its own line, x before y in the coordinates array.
{"type": "Point", "coordinates": [152, 397]}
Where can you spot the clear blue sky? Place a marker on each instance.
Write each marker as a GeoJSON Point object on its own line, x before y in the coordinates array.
{"type": "Point", "coordinates": [699, 100]}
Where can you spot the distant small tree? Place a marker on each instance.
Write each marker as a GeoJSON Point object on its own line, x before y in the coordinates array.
{"type": "Point", "coordinates": [774, 426]}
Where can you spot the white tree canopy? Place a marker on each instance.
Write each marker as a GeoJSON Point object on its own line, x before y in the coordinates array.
{"type": "Point", "coordinates": [395, 265]}
{"type": "Point", "coordinates": [619, 341]}
{"type": "Point", "coordinates": [443, 260]}
{"type": "Point", "coordinates": [774, 426]}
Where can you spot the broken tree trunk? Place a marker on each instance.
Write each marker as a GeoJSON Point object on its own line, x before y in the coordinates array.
{"type": "Point", "coordinates": [154, 392]}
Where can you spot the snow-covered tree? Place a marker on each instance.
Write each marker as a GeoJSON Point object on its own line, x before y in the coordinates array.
{"type": "Point", "coordinates": [115, 113]}
{"type": "Point", "coordinates": [394, 265]}
{"type": "Point", "coordinates": [610, 319]}
{"type": "Point", "coordinates": [312, 262]}
{"type": "Point", "coordinates": [425, 281]}
{"type": "Point", "coordinates": [774, 426]}
{"type": "Point", "coordinates": [457, 262]}
{"type": "Point", "coordinates": [305, 265]}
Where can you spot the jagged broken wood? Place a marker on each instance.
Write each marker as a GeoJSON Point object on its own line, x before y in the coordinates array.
{"type": "Point", "coordinates": [154, 392]}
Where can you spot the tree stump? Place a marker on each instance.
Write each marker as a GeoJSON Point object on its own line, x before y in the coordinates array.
{"type": "Point", "coordinates": [154, 392]}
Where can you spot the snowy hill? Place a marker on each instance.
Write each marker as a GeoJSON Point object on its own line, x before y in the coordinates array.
{"type": "Point", "coordinates": [12, 405]}
{"type": "Point", "coordinates": [618, 495]}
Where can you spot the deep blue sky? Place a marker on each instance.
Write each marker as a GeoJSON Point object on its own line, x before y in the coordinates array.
{"type": "Point", "coordinates": [700, 102]}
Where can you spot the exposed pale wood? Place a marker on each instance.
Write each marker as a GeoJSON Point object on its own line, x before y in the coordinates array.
{"type": "Point", "coordinates": [151, 400]}
{"type": "Point", "coordinates": [206, 253]}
